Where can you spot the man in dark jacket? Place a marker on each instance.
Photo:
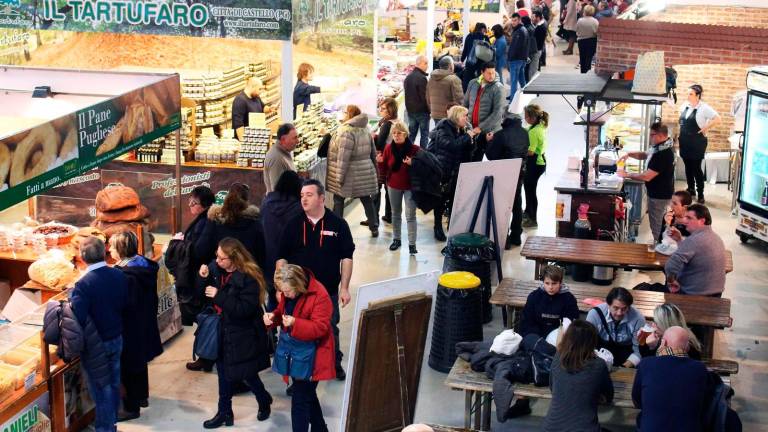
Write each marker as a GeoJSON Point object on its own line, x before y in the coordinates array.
{"type": "Point", "coordinates": [671, 389]}
{"type": "Point", "coordinates": [471, 64]}
{"type": "Point", "coordinates": [533, 50]}
{"type": "Point", "coordinates": [540, 34]}
{"type": "Point", "coordinates": [511, 142]}
{"type": "Point", "coordinates": [517, 55]}
{"type": "Point", "coordinates": [100, 295]}
{"type": "Point", "coordinates": [415, 89]}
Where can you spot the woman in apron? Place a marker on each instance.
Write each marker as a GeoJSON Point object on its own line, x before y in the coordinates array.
{"type": "Point", "coordinates": [696, 118]}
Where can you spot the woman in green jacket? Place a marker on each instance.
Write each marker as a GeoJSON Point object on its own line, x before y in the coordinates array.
{"type": "Point", "coordinates": [536, 163]}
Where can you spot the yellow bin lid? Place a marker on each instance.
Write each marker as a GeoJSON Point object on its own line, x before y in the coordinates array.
{"type": "Point", "coordinates": [459, 280]}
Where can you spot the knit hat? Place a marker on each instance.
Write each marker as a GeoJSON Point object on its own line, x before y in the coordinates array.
{"type": "Point", "coordinates": [507, 342]}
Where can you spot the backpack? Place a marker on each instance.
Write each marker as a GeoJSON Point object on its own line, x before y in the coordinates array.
{"type": "Point", "coordinates": [482, 52]}
{"type": "Point", "coordinates": [671, 82]}
{"type": "Point", "coordinates": [178, 258]}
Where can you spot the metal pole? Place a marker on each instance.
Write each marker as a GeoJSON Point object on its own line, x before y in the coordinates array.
{"type": "Point", "coordinates": [465, 17]}
{"type": "Point", "coordinates": [585, 161]}
{"type": "Point", "coordinates": [177, 135]}
{"type": "Point", "coordinates": [286, 82]}
{"type": "Point", "coordinates": [430, 34]}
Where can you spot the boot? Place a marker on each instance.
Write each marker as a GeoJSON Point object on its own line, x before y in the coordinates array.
{"type": "Point", "coordinates": [200, 364]}
{"type": "Point", "coordinates": [264, 410]}
{"type": "Point", "coordinates": [218, 420]}
{"type": "Point", "coordinates": [569, 50]}
{"type": "Point", "coordinates": [522, 407]}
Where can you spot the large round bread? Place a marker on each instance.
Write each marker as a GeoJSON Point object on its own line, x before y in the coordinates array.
{"type": "Point", "coordinates": [128, 214]}
{"type": "Point", "coordinates": [116, 197]}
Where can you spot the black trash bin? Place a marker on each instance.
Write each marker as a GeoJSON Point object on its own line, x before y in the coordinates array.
{"type": "Point", "coordinates": [457, 318]}
{"type": "Point", "coordinates": [474, 253]}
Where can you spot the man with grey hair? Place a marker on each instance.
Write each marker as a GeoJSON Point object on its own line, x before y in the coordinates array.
{"type": "Point", "coordinates": [100, 297]}
{"type": "Point", "coordinates": [416, 103]}
{"type": "Point", "coordinates": [443, 89]}
{"type": "Point", "coordinates": [671, 389]}
{"type": "Point", "coordinates": [280, 156]}
{"type": "Point", "coordinates": [248, 102]}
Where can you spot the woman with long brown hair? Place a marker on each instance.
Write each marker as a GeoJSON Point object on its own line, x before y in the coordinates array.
{"type": "Point", "coordinates": [235, 284]}
{"type": "Point", "coordinates": [579, 379]}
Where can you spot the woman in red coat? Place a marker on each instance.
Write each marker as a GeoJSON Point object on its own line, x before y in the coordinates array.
{"type": "Point", "coordinates": [305, 311]}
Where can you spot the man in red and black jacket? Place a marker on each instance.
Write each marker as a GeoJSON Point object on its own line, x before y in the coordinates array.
{"type": "Point", "coordinates": [321, 241]}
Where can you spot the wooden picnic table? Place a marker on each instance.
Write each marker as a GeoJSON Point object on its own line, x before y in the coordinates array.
{"type": "Point", "coordinates": [597, 252]}
{"type": "Point", "coordinates": [478, 388]}
{"type": "Point", "coordinates": [709, 312]}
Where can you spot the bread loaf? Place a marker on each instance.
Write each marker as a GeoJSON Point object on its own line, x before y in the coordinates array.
{"type": "Point", "coordinates": [116, 197]}
{"type": "Point", "coordinates": [128, 214]}
{"type": "Point", "coordinates": [51, 271]}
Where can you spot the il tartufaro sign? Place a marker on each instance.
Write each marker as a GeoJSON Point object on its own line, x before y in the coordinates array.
{"type": "Point", "coordinates": [244, 19]}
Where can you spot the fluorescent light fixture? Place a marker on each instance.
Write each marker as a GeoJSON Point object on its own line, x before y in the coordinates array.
{"type": "Point", "coordinates": [651, 6]}
{"type": "Point", "coordinates": [42, 92]}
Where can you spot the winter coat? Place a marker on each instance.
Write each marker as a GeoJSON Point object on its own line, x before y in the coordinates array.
{"type": "Point", "coordinates": [492, 104]}
{"type": "Point", "coordinates": [183, 258]}
{"type": "Point", "coordinates": [511, 142]}
{"type": "Point", "coordinates": [425, 181]}
{"type": "Point", "coordinates": [571, 15]}
{"type": "Point", "coordinates": [443, 91]}
{"type": "Point", "coordinates": [247, 229]}
{"type": "Point", "coordinates": [518, 48]}
{"type": "Point", "coordinates": [313, 323]}
{"type": "Point", "coordinates": [302, 95]}
{"type": "Point", "coordinates": [141, 336]}
{"type": "Point", "coordinates": [500, 46]}
{"type": "Point", "coordinates": [450, 146]}
{"type": "Point", "coordinates": [61, 328]}
{"type": "Point", "coordinates": [276, 210]}
{"type": "Point", "coordinates": [351, 170]}
{"type": "Point", "coordinates": [415, 89]}
{"type": "Point", "coordinates": [243, 339]}
{"type": "Point", "coordinates": [543, 312]}
{"type": "Point", "coordinates": [400, 179]}
{"type": "Point", "coordinates": [533, 47]}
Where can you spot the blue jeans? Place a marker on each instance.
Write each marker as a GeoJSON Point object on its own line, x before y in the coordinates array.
{"type": "Point", "coordinates": [305, 408]}
{"type": "Point", "coordinates": [517, 76]}
{"type": "Point", "coordinates": [335, 327]}
{"type": "Point", "coordinates": [418, 123]}
{"type": "Point", "coordinates": [225, 389]}
{"type": "Point", "coordinates": [106, 398]}
{"type": "Point", "coordinates": [500, 72]}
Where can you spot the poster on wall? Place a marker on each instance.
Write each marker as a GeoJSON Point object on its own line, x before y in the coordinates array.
{"type": "Point", "coordinates": [242, 19]}
{"type": "Point", "coordinates": [44, 156]}
{"type": "Point", "coordinates": [475, 5]}
{"type": "Point", "coordinates": [77, 399]}
{"type": "Point", "coordinates": [35, 417]}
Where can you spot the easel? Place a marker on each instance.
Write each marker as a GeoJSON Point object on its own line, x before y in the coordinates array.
{"type": "Point", "coordinates": [490, 226]}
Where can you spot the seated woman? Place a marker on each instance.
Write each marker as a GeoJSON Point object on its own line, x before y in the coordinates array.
{"type": "Point", "coordinates": [546, 307]}
{"type": "Point", "coordinates": [665, 316]}
{"type": "Point", "coordinates": [617, 324]}
{"type": "Point", "coordinates": [579, 380]}
{"type": "Point", "coordinates": [674, 217]}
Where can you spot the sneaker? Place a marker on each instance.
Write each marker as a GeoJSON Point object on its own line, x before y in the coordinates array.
{"type": "Point", "coordinates": [127, 415]}
{"type": "Point", "coordinates": [341, 375]}
{"type": "Point", "coordinates": [512, 241]}
{"type": "Point", "coordinates": [395, 245]}
{"type": "Point", "coordinates": [387, 219]}
{"type": "Point", "coordinates": [375, 232]}
{"type": "Point", "coordinates": [289, 390]}
{"type": "Point", "coordinates": [412, 249]}
{"type": "Point", "coordinates": [364, 223]}
{"type": "Point", "coordinates": [529, 223]}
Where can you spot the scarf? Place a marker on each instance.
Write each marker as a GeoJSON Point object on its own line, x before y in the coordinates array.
{"type": "Point", "coordinates": [400, 152]}
{"type": "Point", "coordinates": [667, 351]}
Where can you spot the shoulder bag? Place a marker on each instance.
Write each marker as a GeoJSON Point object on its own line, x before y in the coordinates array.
{"type": "Point", "coordinates": [207, 334]}
{"type": "Point", "coordinates": [293, 357]}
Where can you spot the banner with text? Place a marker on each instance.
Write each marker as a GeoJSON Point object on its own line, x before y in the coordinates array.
{"type": "Point", "coordinates": [42, 157]}
{"type": "Point", "coordinates": [243, 19]}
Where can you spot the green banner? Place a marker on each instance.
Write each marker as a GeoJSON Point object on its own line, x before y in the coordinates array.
{"type": "Point", "coordinates": [42, 157]}
{"type": "Point", "coordinates": [243, 19]}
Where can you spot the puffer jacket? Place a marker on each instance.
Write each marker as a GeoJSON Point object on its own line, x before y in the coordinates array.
{"type": "Point", "coordinates": [351, 171]}
{"type": "Point", "coordinates": [492, 104]}
{"type": "Point", "coordinates": [451, 146]}
{"type": "Point", "coordinates": [443, 91]}
{"type": "Point", "coordinates": [247, 228]}
{"type": "Point", "coordinates": [509, 143]}
{"type": "Point", "coordinates": [426, 173]}
{"type": "Point", "coordinates": [61, 328]}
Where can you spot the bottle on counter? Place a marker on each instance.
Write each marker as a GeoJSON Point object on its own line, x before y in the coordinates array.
{"type": "Point", "coordinates": [764, 197]}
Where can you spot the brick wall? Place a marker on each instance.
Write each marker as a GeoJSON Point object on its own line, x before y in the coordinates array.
{"type": "Point", "coordinates": [715, 56]}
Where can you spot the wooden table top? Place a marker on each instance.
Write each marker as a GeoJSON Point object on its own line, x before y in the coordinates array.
{"type": "Point", "coordinates": [462, 377]}
{"type": "Point", "coordinates": [708, 311]}
{"type": "Point", "coordinates": [598, 252]}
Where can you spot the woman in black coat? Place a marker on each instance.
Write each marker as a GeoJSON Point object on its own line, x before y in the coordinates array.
{"type": "Point", "coordinates": [236, 285]}
{"type": "Point", "coordinates": [451, 142]}
{"type": "Point", "coordinates": [236, 219]}
{"type": "Point", "coordinates": [141, 336]}
{"type": "Point", "coordinates": [200, 200]}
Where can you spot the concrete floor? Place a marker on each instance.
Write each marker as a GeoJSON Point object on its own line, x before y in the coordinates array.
{"type": "Point", "coordinates": [180, 400]}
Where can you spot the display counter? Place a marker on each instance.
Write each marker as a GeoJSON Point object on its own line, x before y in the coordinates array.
{"type": "Point", "coordinates": [601, 197]}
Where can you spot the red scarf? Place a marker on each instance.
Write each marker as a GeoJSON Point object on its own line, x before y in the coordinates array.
{"type": "Point", "coordinates": [476, 108]}
{"type": "Point", "coordinates": [224, 280]}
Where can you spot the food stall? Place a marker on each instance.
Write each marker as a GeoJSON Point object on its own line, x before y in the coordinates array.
{"type": "Point", "coordinates": [57, 126]}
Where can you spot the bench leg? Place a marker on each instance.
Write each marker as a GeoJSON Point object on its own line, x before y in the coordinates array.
{"type": "Point", "coordinates": [468, 409]}
{"type": "Point", "coordinates": [708, 342]}
{"type": "Point", "coordinates": [478, 410]}
{"type": "Point", "coordinates": [486, 412]}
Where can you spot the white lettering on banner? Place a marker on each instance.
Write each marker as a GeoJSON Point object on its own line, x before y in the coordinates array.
{"type": "Point", "coordinates": [133, 12]}
{"type": "Point", "coordinates": [186, 190]}
{"type": "Point", "coordinates": [185, 179]}
{"type": "Point", "coordinates": [94, 176]}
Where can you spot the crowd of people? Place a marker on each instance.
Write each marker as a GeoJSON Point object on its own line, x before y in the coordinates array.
{"type": "Point", "coordinates": [248, 271]}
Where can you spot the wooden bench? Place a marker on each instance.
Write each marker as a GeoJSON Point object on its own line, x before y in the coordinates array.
{"type": "Point", "coordinates": [708, 312]}
{"type": "Point", "coordinates": [478, 390]}
{"type": "Point", "coordinates": [596, 252]}
{"type": "Point", "coordinates": [441, 428]}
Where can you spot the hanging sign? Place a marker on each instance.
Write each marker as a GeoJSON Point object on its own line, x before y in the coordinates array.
{"type": "Point", "coordinates": [244, 19]}
{"type": "Point", "coordinates": [40, 158]}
